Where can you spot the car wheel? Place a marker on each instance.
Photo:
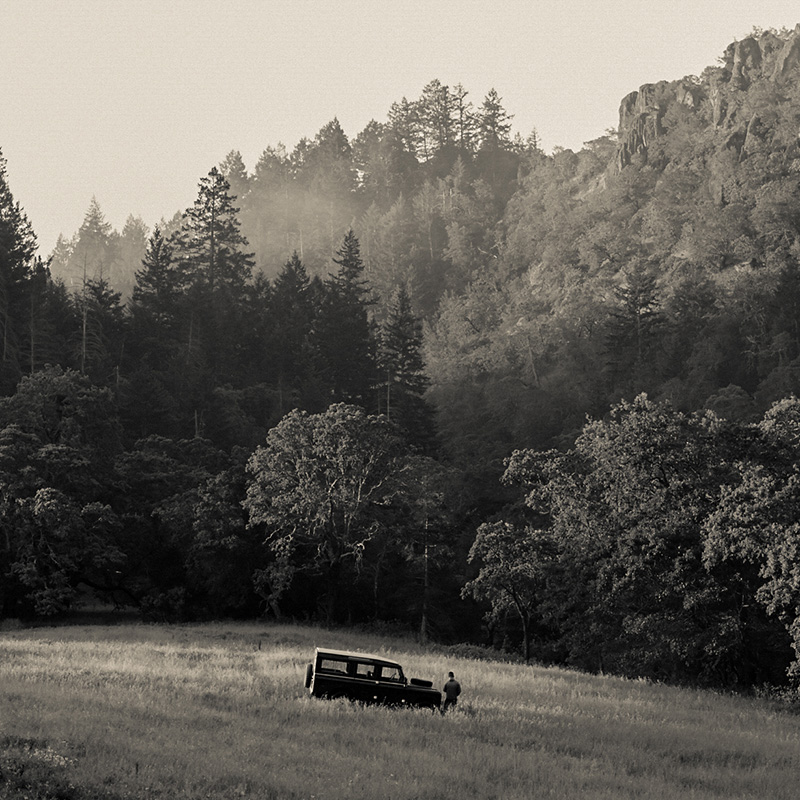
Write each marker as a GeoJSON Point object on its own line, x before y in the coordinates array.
{"type": "Point", "coordinates": [309, 675]}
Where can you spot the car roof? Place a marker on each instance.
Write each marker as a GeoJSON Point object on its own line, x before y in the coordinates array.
{"type": "Point", "coordinates": [355, 656]}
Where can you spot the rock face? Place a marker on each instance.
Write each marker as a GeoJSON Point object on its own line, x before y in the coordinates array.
{"type": "Point", "coordinates": [718, 94]}
{"type": "Point", "coordinates": [747, 60]}
{"type": "Point", "coordinates": [641, 114]}
{"type": "Point", "coordinates": [788, 58]}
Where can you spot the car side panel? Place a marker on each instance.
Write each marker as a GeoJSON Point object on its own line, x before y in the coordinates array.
{"type": "Point", "coordinates": [371, 691]}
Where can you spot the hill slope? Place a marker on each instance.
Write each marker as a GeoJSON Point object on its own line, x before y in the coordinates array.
{"type": "Point", "coordinates": [662, 258]}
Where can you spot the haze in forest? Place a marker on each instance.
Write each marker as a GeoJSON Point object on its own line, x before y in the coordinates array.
{"type": "Point", "coordinates": [131, 103]}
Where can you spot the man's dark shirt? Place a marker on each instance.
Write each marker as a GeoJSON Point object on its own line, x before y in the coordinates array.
{"type": "Point", "coordinates": [452, 689]}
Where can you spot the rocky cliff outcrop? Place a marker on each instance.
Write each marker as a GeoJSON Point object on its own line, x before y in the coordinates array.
{"type": "Point", "coordinates": [788, 58]}
{"type": "Point", "coordinates": [641, 114]}
{"type": "Point", "coordinates": [718, 95]}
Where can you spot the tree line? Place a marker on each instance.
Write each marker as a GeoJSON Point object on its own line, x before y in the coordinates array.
{"type": "Point", "coordinates": [388, 183]}
{"type": "Point", "coordinates": [355, 385]}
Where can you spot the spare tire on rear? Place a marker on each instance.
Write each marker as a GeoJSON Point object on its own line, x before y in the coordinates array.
{"type": "Point", "coordinates": [309, 675]}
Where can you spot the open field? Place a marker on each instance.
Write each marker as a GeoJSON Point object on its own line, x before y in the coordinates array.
{"type": "Point", "coordinates": [219, 711]}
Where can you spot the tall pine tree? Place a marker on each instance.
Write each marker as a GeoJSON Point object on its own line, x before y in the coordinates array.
{"type": "Point", "coordinates": [156, 289]}
{"type": "Point", "coordinates": [209, 247]}
{"type": "Point", "coordinates": [345, 340]}
{"type": "Point", "coordinates": [293, 312]}
{"type": "Point", "coordinates": [155, 355]}
{"type": "Point", "coordinates": [403, 372]}
{"type": "Point", "coordinates": [17, 249]}
{"type": "Point", "coordinates": [214, 269]}
{"type": "Point", "coordinates": [633, 334]}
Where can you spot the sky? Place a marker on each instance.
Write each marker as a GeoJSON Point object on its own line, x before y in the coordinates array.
{"type": "Point", "coordinates": [133, 101]}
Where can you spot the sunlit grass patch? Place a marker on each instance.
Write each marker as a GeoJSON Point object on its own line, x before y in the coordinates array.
{"type": "Point", "coordinates": [219, 711]}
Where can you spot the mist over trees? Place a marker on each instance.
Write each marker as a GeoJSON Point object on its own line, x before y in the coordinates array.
{"type": "Point", "coordinates": [434, 377]}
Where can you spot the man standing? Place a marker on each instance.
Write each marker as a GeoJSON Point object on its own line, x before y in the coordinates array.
{"type": "Point", "coordinates": [452, 689]}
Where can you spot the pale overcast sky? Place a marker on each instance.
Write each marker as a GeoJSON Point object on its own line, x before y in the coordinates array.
{"type": "Point", "coordinates": [133, 102]}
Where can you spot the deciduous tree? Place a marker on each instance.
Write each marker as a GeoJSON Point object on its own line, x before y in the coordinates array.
{"type": "Point", "coordinates": [755, 526]}
{"type": "Point", "coordinates": [316, 487]}
{"type": "Point", "coordinates": [512, 576]}
{"type": "Point", "coordinates": [629, 589]}
{"type": "Point", "coordinates": [58, 439]}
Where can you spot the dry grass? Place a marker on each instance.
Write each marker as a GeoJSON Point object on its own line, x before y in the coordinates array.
{"type": "Point", "coordinates": [201, 712]}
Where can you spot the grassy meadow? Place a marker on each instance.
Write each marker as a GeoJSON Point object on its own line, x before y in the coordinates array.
{"type": "Point", "coordinates": [219, 711]}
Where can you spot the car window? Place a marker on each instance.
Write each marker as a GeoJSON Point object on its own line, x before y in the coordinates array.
{"type": "Point", "coordinates": [332, 665]}
{"type": "Point", "coordinates": [391, 674]}
{"type": "Point", "coordinates": [365, 670]}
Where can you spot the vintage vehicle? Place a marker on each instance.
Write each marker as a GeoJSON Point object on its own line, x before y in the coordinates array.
{"type": "Point", "coordinates": [367, 678]}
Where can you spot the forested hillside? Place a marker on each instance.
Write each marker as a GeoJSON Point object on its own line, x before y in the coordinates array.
{"type": "Point", "coordinates": [299, 395]}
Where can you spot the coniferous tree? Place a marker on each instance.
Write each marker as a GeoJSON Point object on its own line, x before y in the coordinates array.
{"type": "Point", "coordinates": [50, 312]}
{"type": "Point", "coordinates": [496, 160]}
{"type": "Point", "coordinates": [349, 279]}
{"type": "Point", "coordinates": [154, 355]}
{"type": "Point", "coordinates": [431, 239]}
{"type": "Point", "coordinates": [388, 250]}
{"type": "Point", "coordinates": [17, 249]}
{"type": "Point", "coordinates": [156, 290]}
{"type": "Point", "coordinates": [404, 119]}
{"type": "Point", "coordinates": [470, 215]}
{"type": "Point", "coordinates": [235, 172]}
{"type": "Point", "coordinates": [404, 381]}
{"type": "Point", "coordinates": [268, 210]}
{"type": "Point", "coordinates": [62, 252]}
{"type": "Point", "coordinates": [386, 168]}
{"type": "Point", "coordinates": [437, 116]}
{"type": "Point", "coordinates": [465, 120]}
{"type": "Point", "coordinates": [632, 339]}
{"type": "Point", "coordinates": [328, 163]}
{"type": "Point", "coordinates": [100, 338]}
{"type": "Point", "coordinates": [292, 312]}
{"type": "Point", "coordinates": [214, 268]}
{"type": "Point", "coordinates": [494, 123]}
{"type": "Point", "coordinates": [92, 252]}
{"type": "Point", "coordinates": [324, 194]}
{"type": "Point", "coordinates": [131, 248]}
{"type": "Point", "coordinates": [345, 338]}
{"type": "Point", "coordinates": [209, 247]}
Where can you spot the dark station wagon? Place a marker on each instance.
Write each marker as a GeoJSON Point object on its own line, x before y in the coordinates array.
{"type": "Point", "coordinates": [368, 679]}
